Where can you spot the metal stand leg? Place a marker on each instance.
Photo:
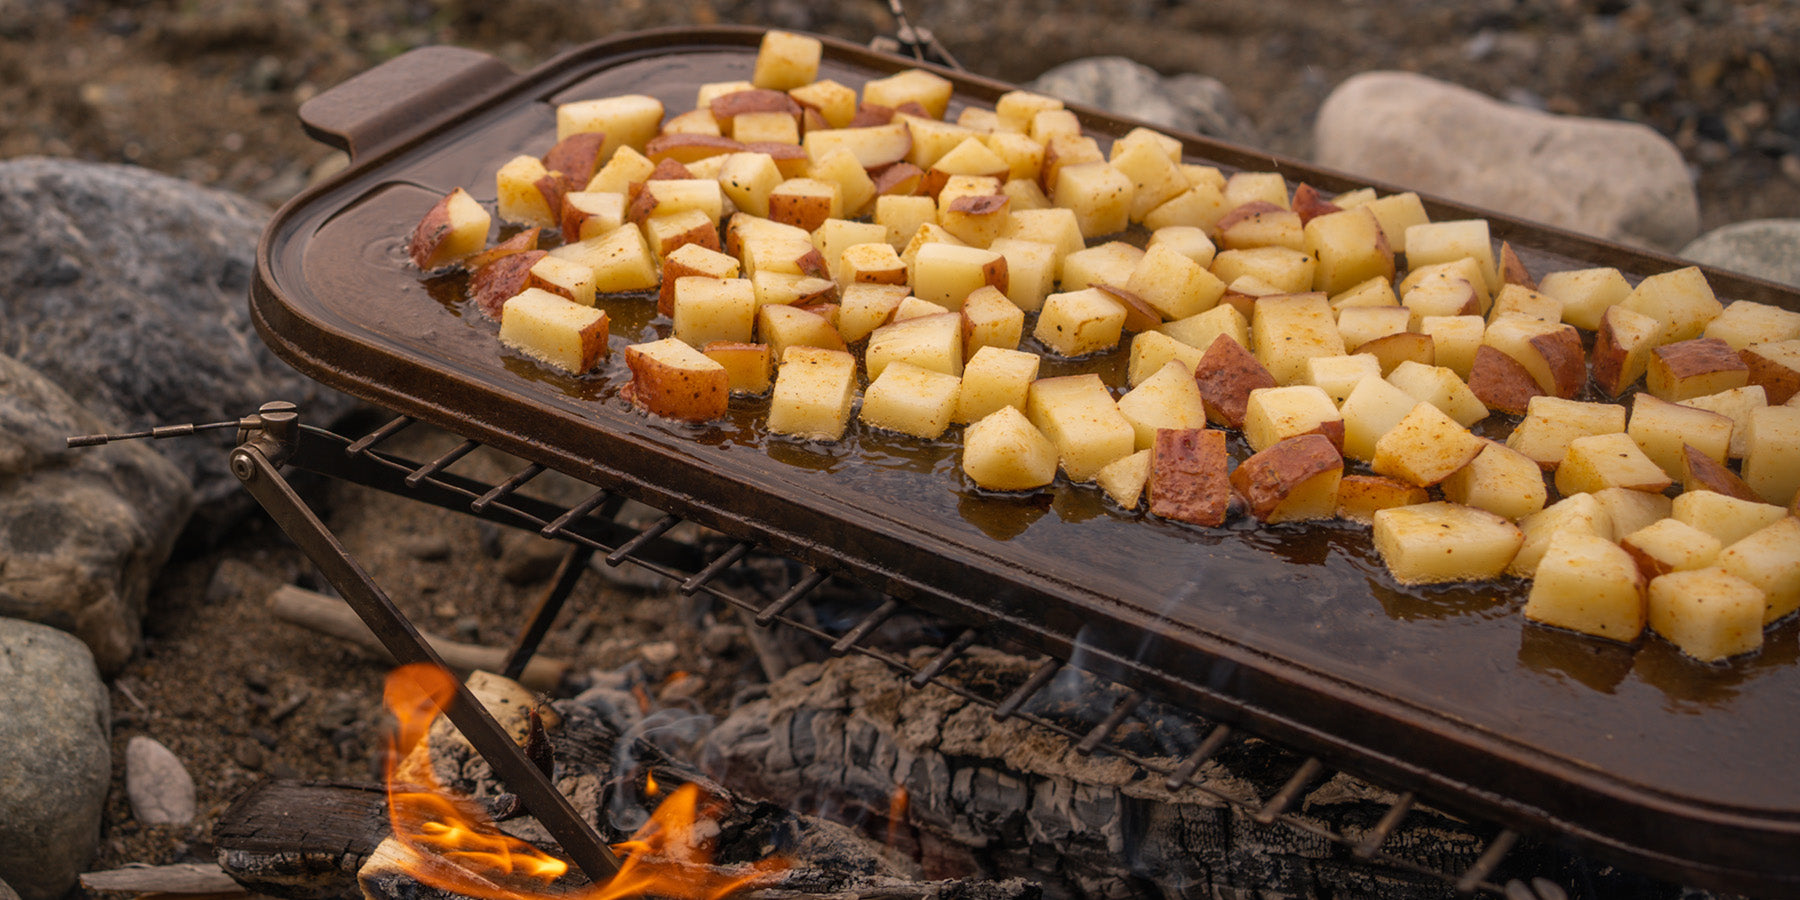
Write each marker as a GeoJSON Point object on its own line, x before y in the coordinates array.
{"type": "Point", "coordinates": [568, 572]}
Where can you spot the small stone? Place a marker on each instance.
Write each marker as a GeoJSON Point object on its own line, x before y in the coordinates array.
{"type": "Point", "coordinates": [159, 786]}
{"type": "Point", "coordinates": [659, 654]}
{"type": "Point", "coordinates": [248, 754]}
{"type": "Point", "coordinates": [529, 559]}
{"type": "Point", "coordinates": [1790, 168]}
{"type": "Point", "coordinates": [1764, 248]}
{"type": "Point", "coordinates": [1186, 102]}
{"type": "Point", "coordinates": [425, 547]}
{"type": "Point", "coordinates": [6, 892]}
{"type": "Point", "coordinates": [720, 639]}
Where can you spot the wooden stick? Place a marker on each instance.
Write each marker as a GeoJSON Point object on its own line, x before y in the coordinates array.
{"type": "Point", "coordinates": [179, 878]}
{"type": "Point", "coordinates": [329, 615]}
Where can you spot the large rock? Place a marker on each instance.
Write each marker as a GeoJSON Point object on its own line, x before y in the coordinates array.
{"type": "Point", "coordinates": [83, 531]}
{"type": "Point", "coordinates": [130, 290]}
{"type": "Point", "coordinates": [1615, 180]}
{"type": "Point", "coordinates": [55, 758]}
{"type": "Point", "coordinates": [1765, 248]}
{"type": "Point", "coordinates": [1185, 102]}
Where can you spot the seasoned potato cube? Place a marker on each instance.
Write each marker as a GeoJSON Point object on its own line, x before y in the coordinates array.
{"type": "Point", "coordinates": [932, 342]}
{"type": "Point", "coordinates": [992, 378]}
{"type": "Point", "coordinates": [1200, 206]}
{"type": "Point", "coordinates": [1245, 187]}
{"type": "Point", "coordinates": [1285, 270]}
{"type": "Point", "coordinates": [1694, 368]}
{"type": "Point", "coordinates": [1772, 464]}
{"type": "Point", "coordinates": [743, 230]}
{"type": "Point", "coordinates": [1586, 294]}
{"type": "Point", "coordinates": [1293, 480]}
{"type": "Point", "coordinates": [946, 273]}
{"type": "Point", "coordinates": [1581, 512]}
{"type": "Point", "coordinates": [1099, 194]}
{"type": "Point", "coordinates": [806, 202]}
{"type": "Point", "coordinates": [782, 327]}
{"type": "Point", "coordinates": [1661, 429]}
{"type": "Point", "coordinates": [870, 264]}
{"type": "Point", "coordinates": [931, 139]}
{"type": "Point", "coordinates": [1746, 322]}
{"type": "Point", "coordinates": [785, 60]}
{"type": "Point", "coordinates": [1016, 108]}
{"type": "Point", "coordinates": [1441, 294]}
{"type": "Point", "coordinates": [1600, 461]}
{"type": "Point", "coordinates": [1425, 447]}
{"type": "Point", "coordinates": [1373, 408]}
{"type": "Point", "coordinates": [1622, 347]}
{"type": "Point", "coordinates": [714, 309]}
{"type": "Point", "coordinates": [564, 278]}
{"type": "Point", "coordinates": [1030, 270]}
{"type": "Point", "coordinates": [1155, 176]}
{"type": "Point", "coordinates": [1514, 300]}
{"type": "Point", "coordinates": [913, 307]}
{"type": "Point", "coordinates": [1188, 480]}
{"type": "Point", "coordinates": [1774, 366]}
{"type": "Point", "coordinates": [865, 307]}
{"type": "Point", "coordinates": [1550, 423]}
{"type": "Point", "coordinates": [747, 366]}
{"type": "Point", "coordinates": [910, 400]}
{"type": "Point", "coordinates": [991, 320]}
{"type": "Point", "coordinates": [1550, 351]}
{"type": "Point", "coordinates": [901, 216]}
{"type": "Point", "coordinates": [1167, 399]}
{"type": "Point", "coordinates": [1079, 416]}
{"type": "Point", "coordinates": [1003, 451]}
{"type": "Point", "coordinates": [1275, 414]}
{"type": "Point", "coordinates": [835, 102]}
{"type": "Point", "coordinates": [1736, 404]}
{"type": "Point", "coordinates": [587, 214]}
{"type": "Point", "coordinates": [814, 390]}
{"type": "Point", "coordinates": [1362, 324]}
{"type": "Point", "coordinates": [620, 259]}
{"type": "Point", "coordinates": [1438, 242]}
{"type": "Point", "coordinates": [1466, 270]}
{"type": "Point", "coordinates": [1670, 545]}
{"type": "Point", "coordinates": [1373, 292]}
{"type": "Point", "coordinates": [627, 120]}
{"type": "Point", "coordinates": [1709, 613]}
{"type": "Point", "coordinates": [666, 234]}
{"type": "Point", "coordinates": [1201, 330]}
{"type": "Point", "coordinates": [1351, 249]}
{"type": "Point", "coordinates": [1396, 213]}
{"type": "Point", "coordinates": [834, 237]}
{"type": "Point", "coordinates": [670, 378]}
{"type": "Point", "coordinates": [1436, 542]}
{"type": "Point", "coordinates": [910, 86]}
{"type": "Point", "coordinates": [1681, 300]}
{"type": "Point", "coordinates": [1337, 375]}
{"type": "Point", "coordinates": [1024, 160]}
{"type": "Point", "coordinates": [1056, 227]}
{"type": "Point", "coordinates": [625, 168]}
{"type": "Point", "coordinates": [1769, 558]}
{"type": "Point", "coordinates": [1124, 479]}
{"type": "Point", "coordinates": [1500, 480]}
{"type": "Point", "coordinates": [455, 227]}
{"type": "Point", "coordinates": [1700, 472]}
{"type": "Point", "coordinates": [1077, 323]}
{"type": "Point", "coordinates": [874, 146]}
{"type": "Point", "coordinates": [1290, 329]}
{"type": "Point", "coordinates": [1726, 518]}
{"type": "Point", "coordinates": [1359, 497]}
{"type": "Point", "coordinates": [1261, 224]}
{"type": "Point", "coordinates": [554, 329]}
{"type": "Point", "coordinates": [1454, 340]}
{"type": "Point", "coordinates": [669, 196]}
{"type": "Point", "coordinates": [1173, 282]}
{"type": "Point", "coordinates": [1586, 583]}
{"type": "Point", "coordinates": [525, 190]}
{"type": "Point", "coordinates": [976, 219]}
{"type": "Point", "coordinates": [1227, 374]}
{"type": "Point", "coordinates": [1391, 350]}
{"type": "Point", "coordinates": [1109, 264]}
{"type": "Point", "coordinates": [1187, 240]}
{"type": "Point", "coordinates": [1440, 387]}
{"type": "Point", "coordinates": [788, 289]}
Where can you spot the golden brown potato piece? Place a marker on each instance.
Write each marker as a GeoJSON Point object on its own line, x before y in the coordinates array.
{"type": "Point", "coordinates": [1775, 366]}
{"type": "Point", "coordinates": [672, 379]}
{"type": "Point", "coordinates": [505, 277]}
{"type": "Point", "coordinates": [1227, 373]}
{"type": "Point", "coordinates": [1360, 497]}
{"type": "Point", "coordinates": [1188, 481]}
{"type": "Point", "coordinates": [1293, 480]}
{"type": "Point", "coordinates": [1694, 368]}
{"type": "Point", "coordinates": [1700, 472]}
{"type": "Point", "coordinates": [1500, 382]}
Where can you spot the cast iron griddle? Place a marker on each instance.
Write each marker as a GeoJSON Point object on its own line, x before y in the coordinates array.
{"type": "Point", "coordinates": [1297, 631]}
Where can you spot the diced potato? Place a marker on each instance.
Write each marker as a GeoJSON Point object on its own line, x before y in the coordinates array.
{"type": "Point", "coordinates": [1188, 480]}
{"type": "Point", "coordinates": [1079, 416]}
{"type": "Point", "coordinates": [1726, 518]}
{"type": "Point", "coordinates": [1709, 613]}
{"type": "Point", "coordinates": [1062, 151]}
{"type": "Point", "coordinates": [814, 390]}
{"type": "Point", "coordinates": [1396, 213]}
{"type": "Point", "coordinates": [1261, 224]}
{"type": "Point", "coordinates": [1361, 324]}
{"type": "Point", "coordinates": [1630, 510]}
{"type": "Point", "coordinates": [1201, 330]}
{"type": "Point", "coordinates": [1586, 294]}
{"type": "Point", "coordinates": [587, 214]}
{"type": "Point", "coordinates": [1514, 300]}
{"type": "Point", "coordinates": [782, 327]}
{"type": "Point", "coordinates": [1187, 240]}
{"type": "Point", "coordinates": [932, 342]}
{"type": "Point", "coordinates": [1466, 269]}
{"type": "Point", "coordinates": [1438, 242]}
{"type": "Point", "coordinates": [520, 186]}
{"type": "Point", "coordinates": [1735, 404]}
{"type": "Point", "coordinates": [789, 289]}
{"type": "Point", "coordinates": [1373, 292]}
{"type": "Point", "coordinates": [1269, 187]}
{"type": "Point", "coordinates": [747, 366]}
{"type": "Point", "coordinates": [666, 234]}
{"type": "Point", "coordinates": [1622, 347]}
{"type": "Point", "coordinates": [835, 102]}
{"type": "Point", "coordinates": [1425, 447]}
{"type": "Point", "coordinates": [785, 60]}
{"type": "Point", "coordinates": [1017, 108]}
{"type": "Point", "coordinates": [946, 273]}
{"type": "Point", "coordinates": [1581, 513]}
{"type": "Point", "coordinates": [1361, 496]}
{"type": "Point", "coordinates": [1550, 423]}
{"type": "Point", "coordinates": [1167, 399]}
{"type": "Point", "coordinates": [563, 277]}
{"type": "Point", "coordinates": [1700, 472]}
{"type": "Point", "coordinates": [1775, 367]}
{"type": "Point", "coordinates": [911, 400]}
{"type": "Point", "coordinates": [1275, 414]}
{"type": "Point", "coordinates": [1373, 409]}
{"type": "Point", "coordinates": [1438, 542]}
{"type": "Point", "coordinates": [1030, 270]}
{"type": "Point", "coordinates": [913, 307]}
{"type": "Point", "coordinates": [1337, 375]}
{"type": "Point", "coordinates": [806, 202]}
{"type": "Point", "coordinates": [902, 216]}
{"type": "Point", "coordinates": [620, 259]}
{"type": "Point", "coordinates": [929, 90]}
{"type": "Point", "coordinates": [1200, 206]}
{"type": "Point", "coordinates": [1550, 351]}
{"type": "Point", "coordinates": [554, 330]}
{"type": "Point", "coordinates": [1441, 294]}
{"type": "Point", "coordinates": [1288, 330]}
{"type": "Point", "coordinates": [1155, 177]}
{"type": "Point", "coordinates": [1586, 583]}
{"type": "Point", "coordinates": [1110, 264]}
{"type": "Point", "coordinates": [1285, 270]}
{"type": "Point", "coordinates": [1455, 340]}
{"type": "Point", "coordinates": [976, 219]}
{"type": "Point", "coordinates": [668, 196]}
{"type": "Point", "coordinates": [714, 309]}
{"type": "Point", "coordinates": [1391, 350]}
{"type": "Point", "coordinates": [1293, 480]}
{"type": "Point", "coordinates": [1003, 451]}
{"type": "Point", "coordinates": [865, 307]}
{"type": "Point", "coordinates": [991, 320]}
{"type": "Point", "coordinates": [1680, 299]}
{"type": "Point", "coordinates": [992, 378]}
{"type": "Point", "coordinates": [1099, 194]}
{"type": "Point", "coordinates": [1500, 480]}
{"type": "Point", "coordinates": [1024, 160]}
{"type": "Point", "coordinates": [1440, 387]}
{"type": "Point", "coordinates": [671, 378]}
{"type": "Point", "coordinates": [1694, 368]}
{"type": "Point", "coordinates": [1746, 322]}
{"type": "Point", "coordinates": [1661, 429]}
{"type": "Point", "coordinates": [627, 120]}
{"type": "Point", "coordinates": [1173, 282]}
{"type": "Point", "coordinates": [1124, 479]}
{"type": "Point", "coordinates": [1601, 461]}
{"type": "Point", "coordinates": [1772, 460]}
{"type": "Point", "coordinates": [870, 264]}
{"type": "Point", "coordinates": [454, 228]}
{"type": "Point", "coordinates": [1077, 323]}
{"type": "Point", "coordinates": [1769, 558]}
{"type": "Point", "coordinates": [1670, 545]}
{"type": "Point", "coordinates": [1351, 249]}
{"type": "Point", "coordinates": [1057, 227]}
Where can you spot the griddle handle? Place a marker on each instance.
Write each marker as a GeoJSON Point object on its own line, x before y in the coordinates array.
{"type": "Point", "coordinates": [399, 97]}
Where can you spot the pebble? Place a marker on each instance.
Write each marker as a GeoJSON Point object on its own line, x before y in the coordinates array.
{"type": "Point", "coordinates": [159, 787]}
{"type": "Point", "coordinates": [720, 639]}
{"type": "Point", "coordinates": [425, 547]}
{"type": "Point", "coordinates": [529, 559]}
{"type": "Point", "coordinates": [659, 654]}
{"type": "Point", "coordinates": [248, 754]}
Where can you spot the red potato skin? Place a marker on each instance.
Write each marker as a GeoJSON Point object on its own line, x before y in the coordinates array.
{"type": "Point", "coordinates": [1310, 204]}
{"type": "Point", "coordinates": [901, 178]}
{"type": "Point", "coordinates": [493, 284]}
{"type": "Point", "coordinates": [871, 114]}
{"type": "Point", "coordinates": [1608, 367]}
{"type": "Point", "coordinates": [1394, 349]}
{"type": "Point", "coordinates": [1500, 382]}
{"type": "Point", "coordinates": [1512, 269]}
{"type": "Point", "coordinates": [687, 148]}
{"type": "Point", "coordinates": [518, 243]}
{"type": "Point", "coordinates": [553, 186]}
{"type": "Point", "coordinates": [1779, 383]}
{"type": "Point", "coordinates": [729, 106]}
{"type": "Point", "coordinates": [1246, 211]}
{"type": "Point", "coordinates": [431, 231]}
{"type": "Point", "coordinates": [1700, 472]}
{"type": "Point", "coordinates": [1561, 350]}
{"type": "Point", "coordinates": [576, 157]}
{"type": "Point", "coordinates": [1267, 477]}
{"type": "Point", "coordinates": [1226, 374]}
{"type": "Point", "coordinates": [1188, 481]}
{"type": "Point", "coordinates": [1139, 315]}
{"type": "Point", "coordinates": [673, 392]}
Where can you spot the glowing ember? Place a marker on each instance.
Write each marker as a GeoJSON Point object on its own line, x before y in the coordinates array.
{"type": "Point", "coordinates": [455, 847]}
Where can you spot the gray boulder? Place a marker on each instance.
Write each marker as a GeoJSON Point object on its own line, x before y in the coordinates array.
{"type": "Point", "coordinates": [1186, 102]}
{"type": "Point", "coordinates": [1765, 248]}
{"type": "Point", "coordinates": [130, 290]}
{"type": "Point", "coordinates": [83, 531]}
{"type": "Point", "coordinates": [55, 758]}
{"type": "Point", "coordinates": [1615, 180]}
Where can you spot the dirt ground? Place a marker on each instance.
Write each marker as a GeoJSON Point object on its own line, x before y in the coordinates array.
{"type": "Point", "coordinates": [207, 90]}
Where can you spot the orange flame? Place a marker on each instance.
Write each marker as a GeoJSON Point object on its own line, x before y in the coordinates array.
{"type": "Point", "coordinates": [455, 847]}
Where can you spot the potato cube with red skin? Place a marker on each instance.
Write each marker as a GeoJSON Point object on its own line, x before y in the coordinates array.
{"type": "Point", "coordinates": [1772, 462]}
{"type": "Point", "coordinates": [1550, 351]}
{"type": "Point", "coordinates": [1736, 404]}
{"type": "Point", "coordinates": [1393, 350]}
{"type": "Point", "coordinates": [1030, 271]}
{"type": "Point", "coordinates": [554, 330]}
{"type": "Point", "coordinates": [620, 258]}
{"type": "Point", "coordinates": [524, 241]}
{"type": "Point", "coordinates": [1078, 323]}
{"type": "Point", "coordinates": [1430, 543]}
{"type": "Point", "coordinates": [1227, 374]}
{"type": "Point", "coordinates": [782, 327]}
{"type": "Point", "coordinates": [862, 308]}
{"type": "Point", "coordinates": [991, 320]}
{"type": "Point", "coordinates": [1630, 510]}
{"type": "Point", "coordinates": [1600, 461]}
{"type": "Point", "coordinates": [969, 157]}
{"type": "Point", "coordinates": [748, 179]}
{"type": "Point", "coordinates": [1746, 322]}
{"type": "Point", "coordinates": [1077, 413]}
{"type": "Point", "coordinates": [671, 378]}
{"type": "Point", "coordinates": [1395, 213]}
{"type": "Point", "coordinates": [748, 367]}
{"type": "Point", "coordinates": [995, 377]}
{"type": "Point", "coordinates": [927, 89]}
{"type": "Point", "coordinates": [1362, 324]}
{"type": "Point", "coordinates": [1694, 368]}
{"type": "Point", "coordinates": [527, 193]}
{"type": "Point", "coordinates": [1464, 269]}
{"type": "Point", "coordinates": [1359, 497]}
{"type": "Point", "coordinates": [1442, 294]}
{"type": "Point", "coordinates": [1581, 512]}
{"type": "Point", "coordinates": [1173, 282]}
{"type": "Point", "coordinates": [1188, 480]}
{"type": "Point", "coordinates": [976, 219]}
{"type": "Point", "coordinates": [835, 102]}
{"type": "Point", "coordinates": [1776, 367]}
{"type": "Point", "coordinates": [1500, 480]}
{"type": "Point", "coordinates": [1448, 241]}
{"type": "Point", "coordinates": [714, 309]}
{"type": "Point", "coordinates": [1260, 223]}
{"type": "Point", "coordinates": [1551, 423]}
{"type": "Point", "coordinates": [1680, 299]}
{"type": "Point", "coordinates": [454, 228]}
{"type": "Point", "coordinates": [1513, 300]}
{"type": "Point", "coordinates": [1293, 480]}
{"type": "Point", "coordinates": [1167, 399]}
{"type": "Point", "coordinates": [806, 202]}
{"type": "Point", "coordinates": [564, 278]}
{"type": "Point", "coordinates": [1064, 150]}
{"type": "Point", "coordinates": [945, 273]}
{"type": "Point", "coordinates": [1586, 294]}
{"type": "Point", "coordinates": [498, 281]}
{"type": "Point", "coordinates": [933, 342]}
{"type": "Point", "coordinates": [627, 120]}
{"type": "Point", "coordinates": [814, 390]}
{"type": "Point", "coordinates": [834, 237]}
{"type": "Point", "coordinates": [1425, 447]}
{"type": "Point", "coordinates": [1709, 613]}
{"type": "Point", "coordinates": [1275, 414]}
{"type": "Point", "coordinates": [910, 400]}
{"type": "Point", "coordinates": [1003, 451]}
{"type": "Point", "coordinates": [666, 234]}
{"type": "Point", "coordinates": [587, 214]}
{"type": "Point", "coordinates": [1670, 545]}
{"type": "Point", "coordinates": [691, 259]}
{"type": "Point", "coordinates": [1661, 429]}
{"type": "Point", "coordinates": [1622, 347]}
{"type": "Point", "coordinates": [1769, 558]}
{"type": "Point", "coordinates": [1151, 350]}
{"type": "Point", "coordinates": [788, 289]}
{"type": "Point", "coordinates": [1587, 583]}
{"type": "Point", "coordinates": [1337, 375]}
{"type": "Point", "coordinates": [1700, 472]}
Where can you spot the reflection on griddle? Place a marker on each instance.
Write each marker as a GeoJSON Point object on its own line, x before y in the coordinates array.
{"type": "Point", "coordinates": [1597, 663]}
{"type": "Point", "coordinates": [1692, 687]}
{"type": "Point", "coordinates": [1001, 516]}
